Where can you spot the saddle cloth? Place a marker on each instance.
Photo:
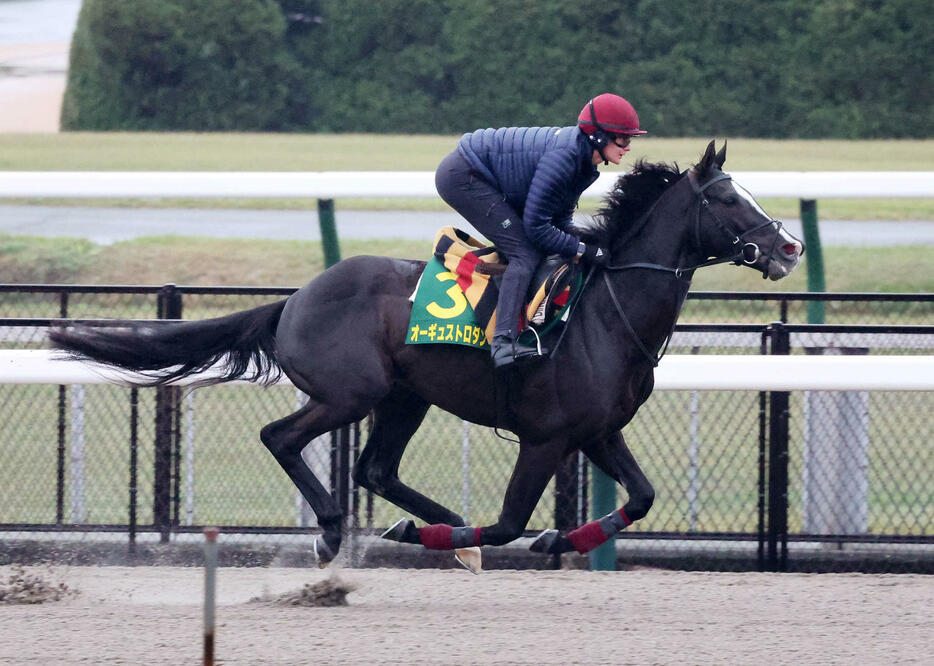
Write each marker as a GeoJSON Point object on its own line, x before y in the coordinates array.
{"type": "Point", "coordinates": [455, 300]}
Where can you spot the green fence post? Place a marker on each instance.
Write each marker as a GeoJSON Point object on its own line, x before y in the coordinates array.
{"type": "Point", "coordinates": [815, 259]}
{"type": "Point", "coordinates": [329, 242]}
{"type": "Point", "coordinates": [603, 501]}
{"type": "Point", "coordinates": [340, 438]}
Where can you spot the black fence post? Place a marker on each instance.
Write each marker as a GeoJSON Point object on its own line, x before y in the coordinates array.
{"type": "Point", "coordinates": [355, 489]}
{"type": "Point", "coordinates": [567, 483]}
{"type": "Point", "coordinates": [570, 498]}
{"type": "Point", "coordinates": [167, 413]}
{"type": "Point", "coordinates": [777, 555]}
{"type": "Point", "coordinates": [340, 471]}
{"type": "Point", "coordinates": [763, 466]}
{"type": "Point", "coordinates": [62, 430]}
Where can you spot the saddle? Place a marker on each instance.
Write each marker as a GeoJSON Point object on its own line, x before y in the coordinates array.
{"type": "Point", "coordinates": [475, 270]}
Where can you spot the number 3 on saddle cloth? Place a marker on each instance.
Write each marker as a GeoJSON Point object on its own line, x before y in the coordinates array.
{"type": "Point", "coordinates": [455, 299]}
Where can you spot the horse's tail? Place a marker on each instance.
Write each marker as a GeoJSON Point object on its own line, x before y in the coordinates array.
{"type": "Point", "coordinates": [167, 351]}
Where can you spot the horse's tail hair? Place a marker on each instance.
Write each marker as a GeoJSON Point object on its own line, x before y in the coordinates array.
{"type": "Point", "coordinates": [242, 343]}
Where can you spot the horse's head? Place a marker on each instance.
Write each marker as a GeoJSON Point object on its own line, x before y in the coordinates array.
{"type": "Point", "coordinates": [731, 224]}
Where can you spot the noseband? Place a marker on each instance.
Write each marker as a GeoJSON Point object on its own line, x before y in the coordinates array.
{"type": "Point", "coordinates": [746, 252]}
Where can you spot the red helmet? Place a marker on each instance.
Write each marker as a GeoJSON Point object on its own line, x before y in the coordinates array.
{"type": "Point", "coordinates": [611, 114]}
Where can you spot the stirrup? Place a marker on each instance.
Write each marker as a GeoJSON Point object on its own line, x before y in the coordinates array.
{"type": "Point", "coordinates": [538, 343]}
{"type": "Point", "coordinates": [508, 351]}
{"type": "Point", "coordinates": [528, 353]}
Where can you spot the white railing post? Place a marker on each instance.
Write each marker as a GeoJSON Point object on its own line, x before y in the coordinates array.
{"type": "Point", "coordinates": [78, 509]}
{"type": "Point", "coordinates": [465, 471]}
{"type": "Point", "coordinates": [693, 451]}
{"type": "Point", "coordinates": [190, 458]}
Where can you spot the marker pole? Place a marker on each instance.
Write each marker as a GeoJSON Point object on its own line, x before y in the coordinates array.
{"type": "Point", "coordinates": [210, 591]}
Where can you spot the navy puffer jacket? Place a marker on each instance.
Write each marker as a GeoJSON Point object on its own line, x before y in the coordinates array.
{"type": "Point", "coordinates": [542, 172]}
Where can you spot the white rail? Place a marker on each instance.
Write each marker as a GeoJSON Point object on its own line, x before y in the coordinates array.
{"type": "Point", "coordinates": [676, 372]}
{"type": "Point", "coordinates": [331, 184]}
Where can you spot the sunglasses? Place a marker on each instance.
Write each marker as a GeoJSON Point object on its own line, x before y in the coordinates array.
{"type": "Point", "coordinates": [622, 141]}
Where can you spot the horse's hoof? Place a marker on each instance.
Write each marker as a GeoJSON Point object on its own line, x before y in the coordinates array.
{"type": "Point", "coordinates": [398, 531]}
{"type": "Point", "coordinates": [544, 541]}
{"type": "Point", "coordinates": [323, 554]}
{"type": "Point", "coordinates": [470, 559]}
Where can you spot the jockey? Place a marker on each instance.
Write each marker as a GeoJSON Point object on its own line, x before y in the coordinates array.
{"type": "Point", "coordinates": [519, 187]}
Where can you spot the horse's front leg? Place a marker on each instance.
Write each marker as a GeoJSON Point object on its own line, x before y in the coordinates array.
{"type": "Point", "coordinates": [534, 468]}
{"type": "Point", "coordinates": [614, 458]}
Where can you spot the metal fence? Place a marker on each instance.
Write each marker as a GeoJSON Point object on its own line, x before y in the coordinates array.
{"type": "Point", "coordinates": [808, 481]}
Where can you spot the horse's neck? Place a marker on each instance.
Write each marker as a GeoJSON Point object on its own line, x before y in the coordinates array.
{"type": "Point", "coordinates": [665, 236]}
{"type": "Point", "coordinates": [652, 299]}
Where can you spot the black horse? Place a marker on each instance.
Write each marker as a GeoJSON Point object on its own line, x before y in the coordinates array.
{"type": "Point", "coordinates": [341, 340]}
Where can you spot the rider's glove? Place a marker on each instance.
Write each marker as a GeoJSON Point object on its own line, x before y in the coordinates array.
{"type": "Point", "coordinates": [593, 254]}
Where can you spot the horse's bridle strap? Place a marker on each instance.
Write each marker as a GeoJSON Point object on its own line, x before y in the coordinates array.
{"type": "Point", "coordinates": [700, 189]}
{"type": "Point", "coordinates": [737, 258]}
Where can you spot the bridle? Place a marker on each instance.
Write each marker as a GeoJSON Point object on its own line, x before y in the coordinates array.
{"type": "Point", "coordinates": [746, 252]}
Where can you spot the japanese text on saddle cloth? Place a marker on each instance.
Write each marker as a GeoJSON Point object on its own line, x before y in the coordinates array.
{"type": "Point", "coordinates": [455, 300]}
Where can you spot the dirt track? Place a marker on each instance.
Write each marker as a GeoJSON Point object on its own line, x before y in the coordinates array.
{"type": "Point", "coordinates": [151, 615]}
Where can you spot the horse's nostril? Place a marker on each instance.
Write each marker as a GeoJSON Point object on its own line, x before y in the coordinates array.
{"type": "Point", "coordinates": [791, 248]}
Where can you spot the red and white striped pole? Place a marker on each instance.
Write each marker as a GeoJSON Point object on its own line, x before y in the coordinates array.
{"type": "Point", "coordinates": [210, 591]}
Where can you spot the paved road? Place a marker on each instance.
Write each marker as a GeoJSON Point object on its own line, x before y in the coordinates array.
{"type": "Point", "coordinates": [110, 225]}
{"type": "Point", "coordinates": [34, 41]}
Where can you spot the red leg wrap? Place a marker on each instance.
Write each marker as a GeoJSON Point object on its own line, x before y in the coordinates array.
{"type": "Point", "coordinates": [587, 537]}
{"type": "Point", "coordinates": [625, 518]}
{"type": "Point", "coordinates": [436, 537]}
{"type": "Point", "coordinates": [477, 536]}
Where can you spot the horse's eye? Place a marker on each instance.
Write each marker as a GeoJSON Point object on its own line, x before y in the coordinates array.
{"type": "Point", "coordinates": [730, 200]}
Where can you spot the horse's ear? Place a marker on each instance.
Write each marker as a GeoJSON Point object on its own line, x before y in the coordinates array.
{"type": "Point", "coordinates": [721, 156]}
{"type": "Point", "coordinates": [707, 160]}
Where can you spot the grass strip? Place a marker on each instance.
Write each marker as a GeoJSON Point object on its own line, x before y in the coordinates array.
{"type": "Point", "coordinates": [207, 261]}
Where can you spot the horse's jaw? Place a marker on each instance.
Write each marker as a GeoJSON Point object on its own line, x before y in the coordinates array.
{"type": "Point", "coordinates": [781, 266]}
{"type": "Point", "coordinates": [776, 271]}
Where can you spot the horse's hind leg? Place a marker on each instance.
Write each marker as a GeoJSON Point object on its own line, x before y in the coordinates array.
{"type": "Point", "coordinates": [285, 439]}
{"type": "Point", "coordinates": [534, 468]}
{"type": "Point", "coordinates": [395, 420]}
{"type": "Point", "coordinates": [614, 458]}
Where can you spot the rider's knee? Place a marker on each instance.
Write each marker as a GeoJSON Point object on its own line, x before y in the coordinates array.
{"type": "Point", "coordinates": [524, 262]}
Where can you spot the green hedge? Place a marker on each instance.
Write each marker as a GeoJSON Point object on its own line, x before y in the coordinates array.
{"type": "Point", "coordinates": [763, 68]}
{"type": "Point", "coordinates": [178, 65]}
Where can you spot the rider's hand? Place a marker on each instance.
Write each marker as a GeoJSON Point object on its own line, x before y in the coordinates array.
{"type": "Point", "coordinates": [594, 255]}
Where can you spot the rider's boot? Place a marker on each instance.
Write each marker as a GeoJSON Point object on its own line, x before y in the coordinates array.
{"type": "Point", "coordinates": [506, 349]}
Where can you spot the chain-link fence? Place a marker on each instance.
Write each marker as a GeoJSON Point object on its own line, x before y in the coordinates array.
{"type": "Point", "coordinates": [848, 488]}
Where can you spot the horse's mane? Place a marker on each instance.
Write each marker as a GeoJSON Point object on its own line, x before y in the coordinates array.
{"type": "Point", "coordinates": [631, 197]}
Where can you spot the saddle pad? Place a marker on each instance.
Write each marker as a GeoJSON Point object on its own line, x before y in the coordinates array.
{"type": "Point", "coordinates": [455, 300]}
{"type": "Point", "coordinates": [441, 312]}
